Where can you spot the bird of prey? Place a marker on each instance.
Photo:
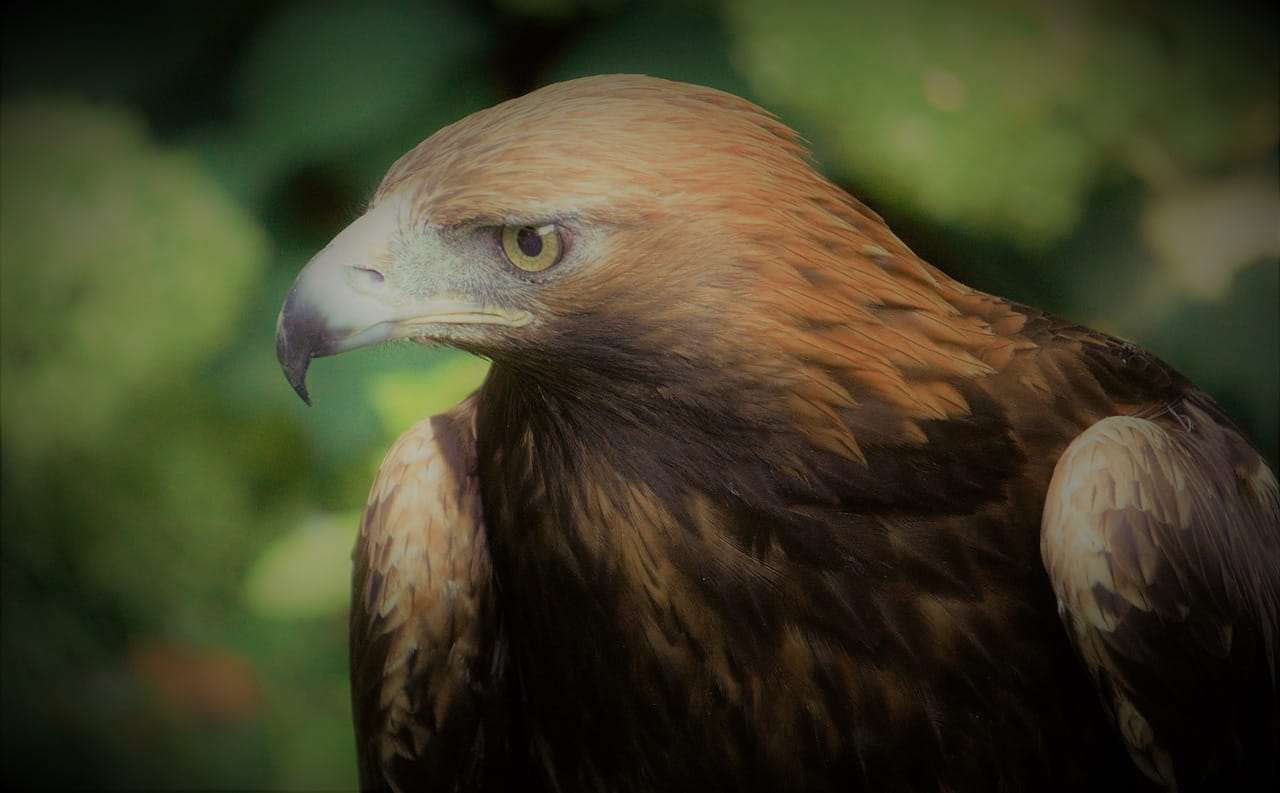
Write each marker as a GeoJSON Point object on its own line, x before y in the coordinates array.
{"type": "Point", "coordinates": [753, 498]}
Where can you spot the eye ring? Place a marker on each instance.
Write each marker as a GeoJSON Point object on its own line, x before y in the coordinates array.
{"type": "Point", "coordinates": [532, 248]}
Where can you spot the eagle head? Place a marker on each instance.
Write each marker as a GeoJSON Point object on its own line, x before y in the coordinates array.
{"type": "Point", "coordinates": [597, 227]}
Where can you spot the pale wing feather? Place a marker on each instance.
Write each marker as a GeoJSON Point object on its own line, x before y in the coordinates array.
{"type": "Point", "coordinates": [1162, 543]}
{"type": "Point", "coordinates": [427, 654]}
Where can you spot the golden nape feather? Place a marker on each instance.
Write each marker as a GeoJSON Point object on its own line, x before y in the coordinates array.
{"type": "Point", "coordinates": [753, 498]}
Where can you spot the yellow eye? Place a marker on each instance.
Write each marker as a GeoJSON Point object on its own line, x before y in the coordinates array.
{"type": "Point", "coordinates": [532, 248]}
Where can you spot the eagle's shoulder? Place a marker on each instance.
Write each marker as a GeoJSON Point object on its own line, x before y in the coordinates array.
{"type": "Point", "coordinates": [427, 651]}
{"type": "Point", "coordinates": [1161, 537]}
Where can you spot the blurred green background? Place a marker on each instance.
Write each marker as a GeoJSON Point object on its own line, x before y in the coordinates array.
{"type": "Point", "coordinates": [176, 524]}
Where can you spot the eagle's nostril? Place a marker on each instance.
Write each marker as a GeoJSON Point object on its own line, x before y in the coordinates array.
{"type": "Point", "coordinates": [373, 276]}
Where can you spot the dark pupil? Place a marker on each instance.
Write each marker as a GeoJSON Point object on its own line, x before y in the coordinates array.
{"type": "Point", "coordinates": [529, 241]}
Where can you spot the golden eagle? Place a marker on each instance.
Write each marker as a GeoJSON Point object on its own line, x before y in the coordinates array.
{"type": "Point", "coordinates": [753, 498]}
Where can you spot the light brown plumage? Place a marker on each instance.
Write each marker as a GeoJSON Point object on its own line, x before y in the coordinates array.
{"type": "Point", "coordinates": [1150, 543]}
{"type": "Point", "coordinates": [425, 657]}
{"type": "Point", "coordinates": [753, 497]}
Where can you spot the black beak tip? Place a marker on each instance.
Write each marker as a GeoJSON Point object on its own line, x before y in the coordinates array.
{"type": "Point", "coordinates": [294, 360]}
{"type": "Point", "coordinates": [299, 384]}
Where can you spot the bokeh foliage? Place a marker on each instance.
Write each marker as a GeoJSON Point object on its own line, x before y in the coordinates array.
{"type": "Point", "coordinates": [176, 525]}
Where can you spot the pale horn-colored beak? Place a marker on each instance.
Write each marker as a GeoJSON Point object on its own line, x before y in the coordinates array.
{"type": "Point", "coordinates": [352, 294]}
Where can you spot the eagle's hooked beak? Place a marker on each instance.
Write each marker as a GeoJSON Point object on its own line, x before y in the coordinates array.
{"type": "Point", "coordinates": [339, 301]}
{"type": "Point", "coordinates": [354, 293]}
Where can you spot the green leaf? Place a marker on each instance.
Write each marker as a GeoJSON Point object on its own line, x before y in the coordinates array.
{"type": "Point", "coordinates": [323, 77]}
{"type": "Point", "coordinates": [306, 572]}
{"type": "Point", "coordinates": [691, 40]}
{"type": "Point", "coordinates": [403, 397]}
{"type": "Point", "coordinates": [125, 266]}
{"type": "Point", "coordinates": [999, 117]}
{"type": "Point", "coordinates": [934, 111]}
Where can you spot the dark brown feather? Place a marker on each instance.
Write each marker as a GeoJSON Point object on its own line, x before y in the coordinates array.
{"type": "Point", "coordinates": [766, 614]}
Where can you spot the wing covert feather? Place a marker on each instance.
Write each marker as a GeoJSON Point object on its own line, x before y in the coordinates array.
{"type": "Point", "coordinates": [427, 652]}
{"type": "Point", "coordinates": [1162, 542]}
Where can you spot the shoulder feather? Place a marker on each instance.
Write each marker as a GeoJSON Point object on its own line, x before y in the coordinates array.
{"type": "Point", "coordinates": [1162, 542]}
{"type": "Point", "coordinates": [427, 654]}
